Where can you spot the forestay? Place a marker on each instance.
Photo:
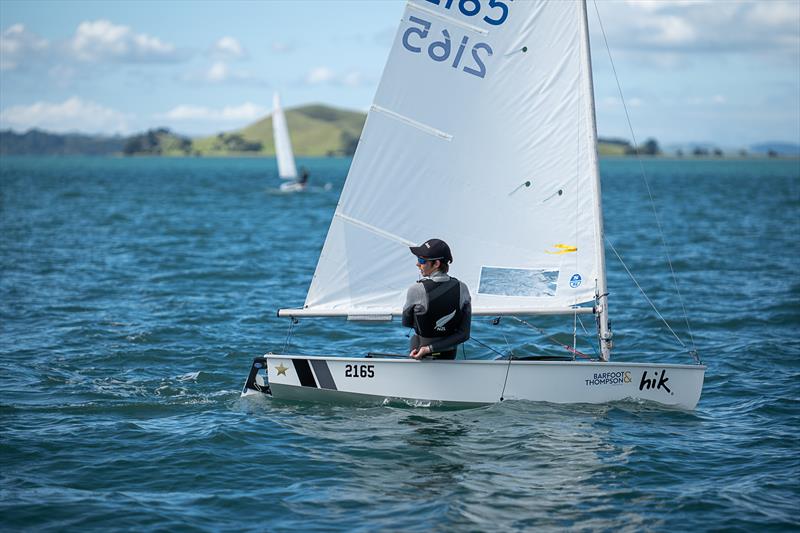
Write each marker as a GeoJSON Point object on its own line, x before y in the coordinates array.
{"type": "Point", "coordinates": [283, 145]}
{"type": "Point", "coordinates": [482, 133]}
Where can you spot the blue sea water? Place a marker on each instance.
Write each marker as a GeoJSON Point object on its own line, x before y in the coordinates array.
{"type": "Point", "coordinates": [135, 292]}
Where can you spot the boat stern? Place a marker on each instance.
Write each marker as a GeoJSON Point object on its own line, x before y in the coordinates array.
{"type": "Point", "coordinates": [255, 383]}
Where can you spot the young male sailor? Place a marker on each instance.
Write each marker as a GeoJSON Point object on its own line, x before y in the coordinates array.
{"type": "Point", "coordinates": [437, 306]}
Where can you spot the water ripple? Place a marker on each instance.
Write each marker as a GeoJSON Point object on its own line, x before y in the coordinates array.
{"type": "Point", "coordinates": [134, 293]}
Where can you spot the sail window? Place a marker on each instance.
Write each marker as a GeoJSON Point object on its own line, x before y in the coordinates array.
{"type": "Point", "coordinates": [530, 282]}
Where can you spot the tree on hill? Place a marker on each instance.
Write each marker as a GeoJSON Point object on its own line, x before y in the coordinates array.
{"type": "Point", "coordinates": [160, 141]}
{"type": "Point", "coordinates": [234, 142]}
{"type": "Point", "coordinates": [650, 147]}
{"type": "Point", "coordinates": [37, 142]}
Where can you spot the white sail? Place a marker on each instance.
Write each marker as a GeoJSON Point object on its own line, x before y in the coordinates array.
{"type": "Point", "coordinates": [283, 145]}
{"type": "Point", "coordinates": [482, 134]}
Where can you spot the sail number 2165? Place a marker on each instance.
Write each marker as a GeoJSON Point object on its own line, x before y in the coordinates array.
{"type": "Point", "coordinates": [470, 8]}
{"type": "Point", "coordinates": [359, 371]}
{"type": "Point", "coordinates": [414, 40]}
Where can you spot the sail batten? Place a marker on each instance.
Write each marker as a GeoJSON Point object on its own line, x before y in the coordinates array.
{"type": "Point", "coordinates": [514, 189]}
{"type": "Point", "coordinates": [412, 122]}
{"type": "Point", "coordinates": [451, 20]}
{"type": "Point", "coordinates": [375, 230]}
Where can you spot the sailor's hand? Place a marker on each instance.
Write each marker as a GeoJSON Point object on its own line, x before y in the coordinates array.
{"type": "Point", "coordinates": [419, 353]}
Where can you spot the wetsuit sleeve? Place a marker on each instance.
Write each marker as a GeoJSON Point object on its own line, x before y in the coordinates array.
{"type": "Point", "coordinates": [415, 303]}
{"type": "Point", "coordinates": [461, 333]}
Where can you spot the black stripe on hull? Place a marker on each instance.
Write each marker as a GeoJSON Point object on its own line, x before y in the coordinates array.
{"type": "Point", "coordinates": [303, 370]}
{"type": "Point", "coordinates": [323, 374]}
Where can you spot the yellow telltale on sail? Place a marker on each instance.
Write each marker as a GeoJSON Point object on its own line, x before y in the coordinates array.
{"type": "Point", "coordinates": [562, 249]}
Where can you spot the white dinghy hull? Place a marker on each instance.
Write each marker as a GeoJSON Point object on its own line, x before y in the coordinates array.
{"type": "Point", "coordinates": [292, 186]}
{"type": "Point", "coordinates": [475, 382]}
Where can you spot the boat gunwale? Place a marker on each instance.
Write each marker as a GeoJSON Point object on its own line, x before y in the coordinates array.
{"type": "Point", "coordinates": [514, 362]}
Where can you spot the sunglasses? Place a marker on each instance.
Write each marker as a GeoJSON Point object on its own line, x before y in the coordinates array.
{"type": "Point", "coordinates": [422, 260]}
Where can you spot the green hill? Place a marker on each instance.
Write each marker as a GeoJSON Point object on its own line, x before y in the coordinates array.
{"type": "Point", "coordinates": [38, 142]}
{"type": "Point", "coordinates": [160, 141]}
{"type": "Point", "coordinates": [315, 130]}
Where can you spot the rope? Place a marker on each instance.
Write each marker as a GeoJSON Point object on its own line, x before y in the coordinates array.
{"type": "Point", "coordinates": [575, 329]}
{"type": "Point", "coordinates": [645, 295]}
{"type": "Point", "coordinates": [693, 351]}
{"type": "Point", "coordinates": [501, 354]}
{"type": "Point", "coordinates": [508, 366]}
{"type": "Point", "coordinates": [289, 334]}
{"type": "Point", "coordinates": [591, 344]}
{"type": "Point", "coordinates": [543, 332]}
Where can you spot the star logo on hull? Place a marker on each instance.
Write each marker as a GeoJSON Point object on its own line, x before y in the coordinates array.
{"type": "Point", "coordinates": [281, 369]}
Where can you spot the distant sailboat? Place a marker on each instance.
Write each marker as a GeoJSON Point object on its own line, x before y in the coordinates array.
{"type": "Point", "coordinates": [287, 169]}
{"type": "Point", "coordinates": [482, 131]}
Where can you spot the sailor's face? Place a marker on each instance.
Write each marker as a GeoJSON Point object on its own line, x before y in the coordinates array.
{"type": "Point", "coordinates": [426, 266]}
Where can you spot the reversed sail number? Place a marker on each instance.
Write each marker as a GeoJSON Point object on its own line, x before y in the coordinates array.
{"type": "Point", "coordinates": [440, 50]}
{"type": "Point", "coordinates": [470, 8]}
{"type": "Point", "coordinates": [359, 371]}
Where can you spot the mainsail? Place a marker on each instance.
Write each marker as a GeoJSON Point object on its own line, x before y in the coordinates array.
{"type": "Point", "coordinates": [283, 145]}
{"type": "Point", "coordinates": [482, 133]}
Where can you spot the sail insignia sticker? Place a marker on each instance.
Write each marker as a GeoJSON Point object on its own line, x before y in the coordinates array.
{"type": "Point", "coordinates": [575, 281]}
{"type": "Point", "coordinates": [562, 249]}
{"type": "Point", "coordinates": [528, 282]}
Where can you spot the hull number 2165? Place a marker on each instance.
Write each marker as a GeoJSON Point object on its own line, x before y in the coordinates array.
{"type": "Point", "coordinates": [359, 371]}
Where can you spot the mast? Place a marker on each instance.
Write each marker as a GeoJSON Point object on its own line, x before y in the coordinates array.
{"type": "Point", "coordinates": [602, 288]}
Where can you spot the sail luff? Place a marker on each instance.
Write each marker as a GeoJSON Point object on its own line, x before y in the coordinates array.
{"type": "Point", "coordinates": [602, 287]}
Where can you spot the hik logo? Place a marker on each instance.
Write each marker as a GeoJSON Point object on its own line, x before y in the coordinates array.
{"type": "Point", "coordinates": [657, 382]}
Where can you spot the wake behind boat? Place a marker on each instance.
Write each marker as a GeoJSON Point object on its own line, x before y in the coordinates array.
{"type": "Point", "coordinates": [501, 160]}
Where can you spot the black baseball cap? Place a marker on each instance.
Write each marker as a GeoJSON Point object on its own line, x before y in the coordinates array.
{"type": "Point", "coordinates": [433, 249]}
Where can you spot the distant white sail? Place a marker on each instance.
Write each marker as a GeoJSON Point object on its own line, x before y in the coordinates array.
{"type": "Point", "coordinates": [283, 145]}
{"type": "Point", "coordinates": [482, 133]}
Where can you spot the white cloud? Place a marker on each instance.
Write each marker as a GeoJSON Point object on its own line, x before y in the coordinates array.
{"type": "Point", "coordinates": [326, 75]}
{"type": "Point", "coordinates": [221, 72]}
{"type": "Point", "coordinates": [218, 72]}
{"type": "Point", "coordinates": [319, 75]}
{"type": "Point", "coordinates": [352, 79]}
{"type": "Point", "coordinates": [18, 45]}
{"type": "Point", "coordinates": [72, 115]}
{"type": "Point", "coordinates": [228, 48]}
{"type": "Point", "coordinates": [241, 113]}
{"type": "Point", "coordinates": [688, 27]}
{"type": "Point", "coordinates": [776, 14]}
{"type": "Point", "coordinates": [101, 40]}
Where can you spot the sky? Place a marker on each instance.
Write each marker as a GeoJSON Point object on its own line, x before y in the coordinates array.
{"type": "Point", "coordinates": [720, 71]}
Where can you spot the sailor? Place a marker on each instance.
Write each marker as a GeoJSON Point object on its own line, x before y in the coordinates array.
{"type": "Point", "coordinates": [437, 306]}
{"type": "Point", "coordinates": [303, 179]}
